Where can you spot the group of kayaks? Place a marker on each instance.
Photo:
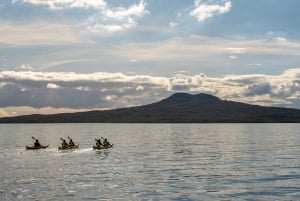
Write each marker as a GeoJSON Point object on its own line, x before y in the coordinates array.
{"type": "Point", "coordinates": [71, 145]}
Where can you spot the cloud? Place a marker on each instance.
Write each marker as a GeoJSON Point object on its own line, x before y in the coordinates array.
{"type": "Point", "coordinates": [26, 67]}
{"type": "Point", "coordinates": [237, 50]}
{"type": "Point", "coordinates": [52, 86]}
{"type": "Point", "coordinates": [254, 64]}
{"type": "Point", "coordinates": [133, 60]}
{"type": "Point", "coordinates": [64, 4]}
{"type": "Point", "coordinates": [111, 28]}
{"type": "Point", "coordinates": [68, 25]}
{"type": "Point", "coordinates": [232, 57]}
{"type": "Point", "coordinates": [4, 113]}
{"type": "Point", "coordinates": [203, 11]}
{"type": "Point", "coordinates": [258, 89]}
{"type": "Point", "coordinates": [117, 19]}
{"type": "Point", "coordinates": [39, 33]}
{"type": "Point", "coordinates": [113, 90]}
{"type": "Point", "coordinates": [173, 24]}
{"type": "Point", "coordinates": [140, 88]}
{"type": "Point", "coordinates": [121, 13]}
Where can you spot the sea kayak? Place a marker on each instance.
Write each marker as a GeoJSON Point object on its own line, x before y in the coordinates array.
{"type": "Point", "coordinates": [39, 147]}
{"type": "Point", "coordinates": [67, 148]}
{"type": "Point", "coordinates": [102, 147]}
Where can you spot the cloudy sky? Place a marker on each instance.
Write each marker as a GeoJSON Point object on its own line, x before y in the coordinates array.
{"type": "Point", "coordinates": [77, 55]}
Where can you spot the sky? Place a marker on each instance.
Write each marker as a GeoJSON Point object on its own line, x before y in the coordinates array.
{"type": "Point", "coordinates": [78, 55]}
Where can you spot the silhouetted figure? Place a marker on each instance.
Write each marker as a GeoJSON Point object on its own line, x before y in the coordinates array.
{"type": "Point", "coordinates": [71, 143]}
{"type": "Point", "coordinates": [98, 142]}
{"type": "Point", "coordinates": [64, 144]}
{"type": "Point", "coordinates": [106, 143]}
{"type": "Point", "coordinates": [37, 143]}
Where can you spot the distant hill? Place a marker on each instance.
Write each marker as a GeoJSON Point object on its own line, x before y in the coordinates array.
{"type": "Point", "coordinates": [178, 108]}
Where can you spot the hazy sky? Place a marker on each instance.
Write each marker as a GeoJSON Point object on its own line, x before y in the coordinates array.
{"type": "Point", "coordinates": [74, 55]}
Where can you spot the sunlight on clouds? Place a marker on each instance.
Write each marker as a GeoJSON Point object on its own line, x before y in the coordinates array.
{"type": "Point", "coordinates": [114, 90]}
{"type": "Point", "coordinates": [102, 18]}
{"type": "Point", "coordinates": [121, 12]}
{"type": "Point", "coordinates": [203, 11]}
{"type": "Point", "coordinates": [140, 88]}
{"type": "Point", "coordinates": [117, 19]}
{"type": "Point", "coordinates": [52, 86]}
{"type": "Point", "coordinates": [110, 28]}
{"type": "Point", "coordinates": [111, 98]}
{"type": "Point", "coordinates": [6, 113]}
{"type": "Point", "coordinates": [82, 88]}
{"type": "Point", "coordinates": [237, 50]}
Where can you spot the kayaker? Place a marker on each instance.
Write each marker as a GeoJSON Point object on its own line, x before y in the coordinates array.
{"type": "Point", "coordinates": [106, 143]}
{"type": "Point", "coordinates": [64, 144]}
{"type": "Point", "coordinates": [71, 143]}
{"type": "Point", "coordinates": [37, 143]}
{"type": "Point", "coordinates": [98, 142]}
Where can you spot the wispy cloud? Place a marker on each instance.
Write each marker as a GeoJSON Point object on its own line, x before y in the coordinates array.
{"type": "Point", "coordinates": [121, 12]}
{"type": "Point", "coordinates": [26, 67]}
{"type": "Point", "coordinates": [96, 16]}
{"type": "Point", "coordinates": [41, 33]}
{"type": "Point", "coordinates": [65, 4]}
{"type": "Point", "coordinates": [173, 24]}
{"type": "Point", "coordinates": [111, 28]}
{"type": "Point", "coordinates": [203, 10]}
{"type": "Point", "coordinates": [117, 19]}
{"type": "Point", "coordinates": [232, 57]}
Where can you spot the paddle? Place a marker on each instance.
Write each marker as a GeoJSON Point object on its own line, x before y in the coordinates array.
{"type": "Point", "coordinates": [36, 139]}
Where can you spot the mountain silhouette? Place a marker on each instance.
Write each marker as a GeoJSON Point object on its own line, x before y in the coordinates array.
{"type": "Point", "coordinates": [178, 108]}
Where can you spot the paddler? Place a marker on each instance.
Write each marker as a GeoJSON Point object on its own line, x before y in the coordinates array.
{"type": "Point", "coordinates": [64, 144]}
{"type": "Point", "coordinates": [98, 142]}
{"type": "Point", "coordinates": [37, 143]}
{"type": "Point", "coordinates": [71, 143]}
{"type": "Point", "coordinates": [106, 143]}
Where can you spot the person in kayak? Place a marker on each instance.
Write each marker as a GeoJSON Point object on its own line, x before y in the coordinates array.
{"type": "Point", "coordinates": [64, 144]}
{"type": "Point", "coordinates": [71, 143]}
{"type": "Point", "coordinates": [98, 142]}
{"type": "Point", "coordinates": [106, 143]}
{"type": "Point", "coordinates": [37, 143]}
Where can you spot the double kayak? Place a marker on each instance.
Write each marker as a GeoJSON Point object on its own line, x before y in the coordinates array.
{"type": "Point", "coordinates": [34, 147]}
{"type": "Point", "coordinates": [102, 147]}
{"type": "Point", "coordinates": [68, 147]}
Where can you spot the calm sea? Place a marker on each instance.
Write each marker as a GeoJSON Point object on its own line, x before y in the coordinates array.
{"type": "Point", "coordinates": [152, 162]}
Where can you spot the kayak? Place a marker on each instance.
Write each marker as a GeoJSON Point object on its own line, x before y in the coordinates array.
{"type": "Point", "coordinates": [102, 147]}
{"type": "Point", "coordinates": [39, 147]}
{"type": "Point", "coordinates": [67, 148]}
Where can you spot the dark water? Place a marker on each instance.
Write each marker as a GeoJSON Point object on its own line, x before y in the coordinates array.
{"type": "Point", "coordinates": [152, 162]}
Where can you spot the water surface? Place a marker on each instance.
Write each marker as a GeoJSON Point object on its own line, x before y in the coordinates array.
{"type": "Point", "coordinates": [152, 162]}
